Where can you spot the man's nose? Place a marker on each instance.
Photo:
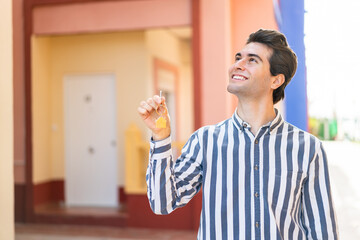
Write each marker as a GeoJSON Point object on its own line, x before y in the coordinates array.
{"type": "Point", "coordinates": [240, 64]}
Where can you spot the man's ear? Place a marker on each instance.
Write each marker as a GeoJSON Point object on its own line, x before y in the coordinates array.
{"type": "Point", "coordinates": [277, 81]}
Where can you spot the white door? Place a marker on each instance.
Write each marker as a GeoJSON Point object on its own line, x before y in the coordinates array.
{"type": "Point", "coordinates": [90, 140]}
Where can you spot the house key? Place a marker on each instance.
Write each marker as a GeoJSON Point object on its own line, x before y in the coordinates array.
{"type": "Point", "coordinates": [160, 122]}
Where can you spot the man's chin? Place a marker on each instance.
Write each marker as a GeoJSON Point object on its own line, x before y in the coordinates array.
{"type": "Point", "coordinates": [233, 89]}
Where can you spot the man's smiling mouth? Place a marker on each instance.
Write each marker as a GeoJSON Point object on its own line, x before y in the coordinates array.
{"type": "Point", "coordinates": [239, 77]}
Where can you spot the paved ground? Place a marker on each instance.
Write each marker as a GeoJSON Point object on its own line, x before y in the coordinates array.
{"type": "Point", "coordinates": [63, 232]}
{"type": "Point", "coordinates": [344, 165]}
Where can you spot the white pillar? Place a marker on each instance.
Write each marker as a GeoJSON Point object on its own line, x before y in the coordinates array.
{"type": "Point", "coordinates": [6, 123]}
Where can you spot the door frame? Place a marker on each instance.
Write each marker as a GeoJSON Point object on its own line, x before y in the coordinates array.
{"type": "Point", "coordinates": [24, 199]}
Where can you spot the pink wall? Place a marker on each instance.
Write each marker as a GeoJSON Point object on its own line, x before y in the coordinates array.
{"type": "Point", "coordinates": [110, 16]}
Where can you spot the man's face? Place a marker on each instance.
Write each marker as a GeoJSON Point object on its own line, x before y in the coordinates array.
{"type": "Point", "coordinates": [250, 75]}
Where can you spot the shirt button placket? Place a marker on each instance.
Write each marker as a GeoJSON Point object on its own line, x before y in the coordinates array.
{"type": "Point", "coordinates": [257, 187]}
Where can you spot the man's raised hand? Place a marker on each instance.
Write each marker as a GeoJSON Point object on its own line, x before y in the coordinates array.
{"type": "Point", "coordinates": [150, 111]}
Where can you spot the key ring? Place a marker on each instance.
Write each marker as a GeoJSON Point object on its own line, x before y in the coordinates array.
{"type": "Point", "coordinates": [160, 122]}
{"type": "Point", "coordinates": [161, 105]}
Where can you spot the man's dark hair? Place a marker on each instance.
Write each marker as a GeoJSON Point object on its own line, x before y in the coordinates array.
{"type": "Point", "coordinates": [282, 61]}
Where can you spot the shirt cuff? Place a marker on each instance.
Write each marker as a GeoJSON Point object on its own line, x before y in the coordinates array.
{"type": "Point", "coordinates": [160, 149]}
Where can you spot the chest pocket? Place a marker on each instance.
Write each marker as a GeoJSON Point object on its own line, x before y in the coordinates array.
{"type": "Point", "coordinates": [287, 187]}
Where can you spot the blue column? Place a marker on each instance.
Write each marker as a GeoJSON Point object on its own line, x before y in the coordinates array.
{"type": "Point", "coordinates": [292, 25]}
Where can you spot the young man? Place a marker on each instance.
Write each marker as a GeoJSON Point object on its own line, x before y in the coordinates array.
{"type": "Point", "coordinates": [262, 178]}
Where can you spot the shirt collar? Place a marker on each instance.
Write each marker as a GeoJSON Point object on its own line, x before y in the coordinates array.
{"type": "Point", "coordinates": [276, 122]}
{"type": "Point", "coordinates": [272, 125]}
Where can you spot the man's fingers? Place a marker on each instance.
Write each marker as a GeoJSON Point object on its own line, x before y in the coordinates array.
{"type": "Point", "coordinates": [152, 103]}
{"type": "Point", "coordinates": [142, 110]}
{"type": "Point", "coordinates": [146, 106]}
{"type": "Point", "coordinates": [157, 99]}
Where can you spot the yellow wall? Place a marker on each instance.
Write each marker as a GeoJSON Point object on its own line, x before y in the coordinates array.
{"type": "Point", "coordinates": [119, 53]}
{"type": "Point", "coordinates": [168, 47]}
{"type": "Point", "coordinates": [41, 107]}
{"type": "Point", "coordinates": [126, 54]}
{"type": "Point", "coordinates": [6, 123]}
{"type": "Point", "coordinates": [186, 103]}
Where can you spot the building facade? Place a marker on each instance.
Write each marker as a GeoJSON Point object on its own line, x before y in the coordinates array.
{"type": "Point", "coordinates": [183, 47]}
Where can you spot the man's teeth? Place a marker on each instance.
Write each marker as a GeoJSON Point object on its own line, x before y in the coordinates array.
{"type": "Point", "coordinates": [239, 77]}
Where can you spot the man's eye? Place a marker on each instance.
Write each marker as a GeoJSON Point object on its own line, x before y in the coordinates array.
{"type": "Point", "coordinates": [237, 58]}
{"type": "Point", "coordinates": [252, 60]}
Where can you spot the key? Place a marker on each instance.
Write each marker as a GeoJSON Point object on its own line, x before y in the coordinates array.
{"type": "Point", "coordinates": [160, 122]}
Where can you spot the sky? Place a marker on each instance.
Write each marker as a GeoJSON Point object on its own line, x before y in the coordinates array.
{"type": "Point", "coordinates": [332, 50]}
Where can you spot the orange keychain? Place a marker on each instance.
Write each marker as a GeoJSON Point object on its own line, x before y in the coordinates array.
{"type": "Point", "coordinates": [160, 122]}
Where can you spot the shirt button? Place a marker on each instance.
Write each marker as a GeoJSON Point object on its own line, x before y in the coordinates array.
{"type": "Point", "coordinates": [256, 141]}
{"type": "Point", "coordinates": [256, 167]}
{"type": "Point", "coordinates": [244, 125]}
{"type": "Point", "coordinates": [257, 224]}
{"type": "Point", "coordinates": [256, 194]}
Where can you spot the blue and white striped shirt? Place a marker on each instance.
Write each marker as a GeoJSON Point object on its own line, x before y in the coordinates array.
{"type": "Point", "coordinates": [274, 185]}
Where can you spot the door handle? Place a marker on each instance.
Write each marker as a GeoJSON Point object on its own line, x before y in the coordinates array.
{"type": "Point", "coordinates": [91, 150]}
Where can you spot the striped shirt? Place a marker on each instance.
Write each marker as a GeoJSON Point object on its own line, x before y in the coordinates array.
{"type": "Point", "coordinates": [274, 185]}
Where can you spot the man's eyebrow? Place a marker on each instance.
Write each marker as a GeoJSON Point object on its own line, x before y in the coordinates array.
{"type": "Point", "coordinates": [249, 55]}
{"type": "Point", "coordinates": [255, 55]}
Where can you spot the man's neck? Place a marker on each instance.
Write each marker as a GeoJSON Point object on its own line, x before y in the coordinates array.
{"type": "Point", "coordinates": [256, 113]}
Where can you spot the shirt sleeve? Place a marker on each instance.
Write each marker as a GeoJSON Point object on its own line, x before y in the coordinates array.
{"type": "Point", "coordinates": [173, 184]}
{"type": "Point", "coordinates": [318, 218]}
